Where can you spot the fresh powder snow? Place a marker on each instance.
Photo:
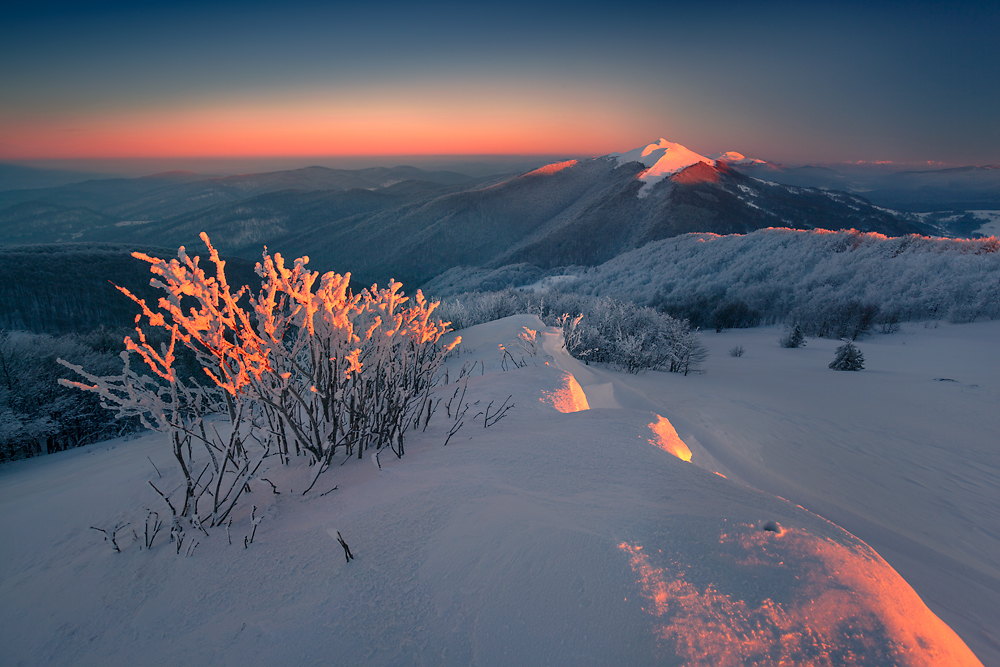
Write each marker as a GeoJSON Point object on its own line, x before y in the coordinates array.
{"type": "Point", "coordinates": [604, 519]}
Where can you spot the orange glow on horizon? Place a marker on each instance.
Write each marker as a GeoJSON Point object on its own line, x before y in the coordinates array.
{"type": "Point", "coordinates": [356, 123]}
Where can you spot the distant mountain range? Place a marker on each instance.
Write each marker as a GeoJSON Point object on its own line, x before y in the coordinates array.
{"type": "Point", "coordinates": [957, 188]}
{"type": "Point", "coordinates": [413, 225]}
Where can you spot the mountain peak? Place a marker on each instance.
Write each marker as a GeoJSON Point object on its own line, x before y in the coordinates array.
{"type": "Point", "coordinates": [739, 159]}
{"type": "Point", "coordinates": [662, 159]}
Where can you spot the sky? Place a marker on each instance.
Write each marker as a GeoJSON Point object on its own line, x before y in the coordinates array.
{"type": "Point", "coordinates": [788, 82]}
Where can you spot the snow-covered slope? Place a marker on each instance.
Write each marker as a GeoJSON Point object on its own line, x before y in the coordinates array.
{"type": "Point", "coordinates": [558, 535]}
{"type": "Point", "coordinates": [783, 272]}
{"type": "Point", "coordinates": [737, 159]}
{"type": "Point", "coordinates": [662, 159]}
{"type": "Point", "coordinates": [902, 454]}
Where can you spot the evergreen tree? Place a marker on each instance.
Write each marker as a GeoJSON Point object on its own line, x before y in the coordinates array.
{"type": "Point", "coordinates": [849, 358]}
{"type": "Point", "coordinates": [793, 338]}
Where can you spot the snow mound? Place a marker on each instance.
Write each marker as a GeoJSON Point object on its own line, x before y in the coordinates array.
{"type": "Point", "coordinates": [568, 397]}
{"type": "Point", "coordinates": [667, 438]}
{"type": "Point", "coordinates": [662, 159]}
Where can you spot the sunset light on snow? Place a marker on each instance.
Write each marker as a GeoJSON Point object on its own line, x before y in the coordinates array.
{"type": "Point", "coordinates": [665, 437]}
{"type": "Point", "coordinates": [518, 341]}
{"type": "Point", "coordinates": [830, 604]}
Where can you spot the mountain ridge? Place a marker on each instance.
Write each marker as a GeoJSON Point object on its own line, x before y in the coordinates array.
{"type": "Point", "coordinates": [411, 225]}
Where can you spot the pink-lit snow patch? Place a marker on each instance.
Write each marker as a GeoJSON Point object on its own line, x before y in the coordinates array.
{"type": "Point", "coordinates": [550, 169]}
{"type": "Point", "coordinates": [666, 438]}
{"type": "Point", "coordinates": [732, 157]}
{"type": "Point", "coordinates": [567, 398]}
{"type": "Point", "coordinates": [662, 159]}
{"type": "Point", "coordinates": [830, 604]}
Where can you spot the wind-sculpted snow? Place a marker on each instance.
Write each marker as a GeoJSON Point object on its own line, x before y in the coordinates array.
{"type": "Point", "coordinates": [665, 437]}
{"type": "Point", "coordinates": [569, 397]}
{"type": "Point", "coordinates": [819, 602]}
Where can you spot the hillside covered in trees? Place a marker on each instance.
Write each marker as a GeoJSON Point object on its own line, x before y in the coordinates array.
{"type": "Point", "coordinates": [831, 283]}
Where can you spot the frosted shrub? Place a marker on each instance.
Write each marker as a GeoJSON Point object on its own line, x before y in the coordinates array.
{"type": "Point", "coordinates": [571, 330]}
{"type": "Point", "coordinates": [848, 358]}
{"type": "Point", "coordinates": [793, 338]}
{"type": "Point", "coordinates": [633, 338]}
{"type": "Point", "coordinates": [348, 370]}
{"type": "Point", "coordinates": [624, 335]}
{"type": "Point", "coordinates": [307, 369]}
{"type": "Point", "coordinates": [527, 340]}
{"type": "Point", "coordinates": [470, 309]}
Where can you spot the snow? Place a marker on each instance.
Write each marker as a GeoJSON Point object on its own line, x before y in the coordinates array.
{"type": "Point", "coordinates": [548, 283]}
{"type": "Point", "coordinates": [782, 271]}
{"type": "Point", "coordinates": [991, 222]}
{"type": "Point", "coordinates": [553, 168]}
{"type": "Point", "coordinates": [902, 454]}
{"type": "Point", "coordinates": [560, 537]}
{"type": "Point", "coordinates": [734, 158]}
{"type": "Point", "coordinates": [662, 159]}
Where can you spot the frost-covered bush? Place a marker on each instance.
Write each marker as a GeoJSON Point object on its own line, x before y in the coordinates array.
{"type": "Point", "coordinates": [474, 308]}
{"type": "Point", "coordinates": [793, 338]}
{"type": "Point", "coordinates": [624, 335]}
{"type": "Point", "coordinates": [304, 368]}
{"type": "Point", "coordinates": [632, 338]}
{"type": "Point", "coordinates": [848, 358]}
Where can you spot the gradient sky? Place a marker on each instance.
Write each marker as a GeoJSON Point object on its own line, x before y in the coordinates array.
{"type": "Point", "coordinates": [790, 82]}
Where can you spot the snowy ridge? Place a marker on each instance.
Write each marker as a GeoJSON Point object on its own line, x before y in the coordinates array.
{"type": "Point", "coordinates": [737, 159]}
{"type": "Point", "coordinates": [550, 169]}
{"type": "Point", "coordinates": [662, 159]}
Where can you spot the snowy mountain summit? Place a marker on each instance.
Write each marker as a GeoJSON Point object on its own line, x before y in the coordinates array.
{"type": "Point", "coordinates": [737, 159]}
{"type": "Point", "coordinates": [662, 159]}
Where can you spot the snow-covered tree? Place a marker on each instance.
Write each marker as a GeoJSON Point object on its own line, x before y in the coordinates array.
{"type": "Point", "coordinates": [793, 338]}
{"type": "Point", "coordinates": [848, 358]}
